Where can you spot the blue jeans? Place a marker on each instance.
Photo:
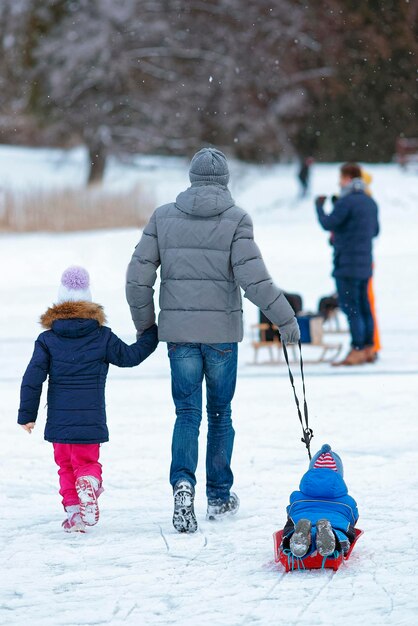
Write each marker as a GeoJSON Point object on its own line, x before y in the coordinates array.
{"type": "Point", "coordinates": [354, 302]}
{"type": "Point", "coordinates": [189, 364]}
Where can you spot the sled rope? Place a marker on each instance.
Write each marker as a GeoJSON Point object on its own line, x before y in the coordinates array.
{"type": "Point", "coordinates": [307, 432]}
{"type": "Point", "coordinates": [334, 555]}
{"type": "Point", "coordinates": [292, 560]}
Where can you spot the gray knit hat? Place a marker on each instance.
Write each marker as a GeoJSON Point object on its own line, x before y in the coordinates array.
{"type": "Point", "coordinates": [209, 165]}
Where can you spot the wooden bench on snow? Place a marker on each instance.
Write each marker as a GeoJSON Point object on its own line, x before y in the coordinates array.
{"type": "Point", "coordinates": [267, 336]}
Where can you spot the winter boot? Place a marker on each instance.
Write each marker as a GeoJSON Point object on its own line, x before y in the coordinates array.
{"type": "Point", "coordinates": [344, 546]}
{"type": "Point", "coordinates": [300, 541]}
{"type": "Point", "coordinates": [217, 508]}
{"type": "Point", "coordinates": [73, 523]}
{"type": "Point", "coordinates": [325, 538]}
{"type": "Point", "coordinates": [88, 490]}
{"type": "Point", "coordinates": [371, 354]}
{"type": "Point", "coordinates": [354, 357]}
{"type": "Point", "coordinates": [184, 518]}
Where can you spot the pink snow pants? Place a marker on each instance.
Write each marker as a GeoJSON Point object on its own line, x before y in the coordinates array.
{"type": "Point", "coordinates": [75, 460]}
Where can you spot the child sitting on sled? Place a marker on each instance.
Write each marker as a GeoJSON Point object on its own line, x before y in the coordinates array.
{"type": "Point", "coordinates": [75, 352]}
{"type": "Point", "coordinates": [321, 516]}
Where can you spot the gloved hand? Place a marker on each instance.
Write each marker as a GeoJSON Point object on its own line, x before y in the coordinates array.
{"type": "Point", "coordinates": [152, 331]}
{"type": "Point", "coordinates": [320, 201]}
{"type": "Point", "coordinates": [290, 332]}
{"type": "Point", "coordinates": [334, 199]}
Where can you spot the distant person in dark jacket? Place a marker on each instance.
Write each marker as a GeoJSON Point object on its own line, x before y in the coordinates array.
{"type": "Point", "coordinates": [321, 515]}
{"type": "Point", "coordinates": [304, 175]}
{"type": "Point", "coordinates": [354, 224]}
{"type": "Point", "coordinates": [75, 352]}
{"type": "Point", "coordinates": [205, 246]}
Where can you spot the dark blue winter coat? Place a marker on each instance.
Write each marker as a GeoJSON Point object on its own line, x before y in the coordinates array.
{"type": "Point", "coordinates": [76, 352]}
{"type": "Point", "coordinates": [323, 495]}
{"type": "Point", "coordinates": [354, 223]}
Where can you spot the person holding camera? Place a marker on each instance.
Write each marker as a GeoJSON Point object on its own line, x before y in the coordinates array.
{"type": "Point", "coordinates": [353, 223]}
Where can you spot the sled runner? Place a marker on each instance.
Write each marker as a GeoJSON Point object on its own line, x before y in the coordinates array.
{"type": "Point", "coordinates": [314, 560]}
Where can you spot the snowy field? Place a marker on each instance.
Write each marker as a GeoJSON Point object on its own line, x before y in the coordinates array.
{"type": "Point", "coordinates": [133, 568]}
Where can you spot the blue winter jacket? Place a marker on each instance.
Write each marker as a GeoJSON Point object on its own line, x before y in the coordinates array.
{"type": "Point", "coordinates": [354, 223]}
{"type": "Point", "coordinates": [75, 352]}
{"type": "Point", "coordinates": [323, 495]}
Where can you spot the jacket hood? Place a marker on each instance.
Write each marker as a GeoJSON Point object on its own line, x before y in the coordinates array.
{"type": "Point", "coordinates": [204, 200]}
{"type": "Point", "coordinates": [73, 311]}
{"type": "Point", "coordinates": [323, 483]}
{"type": "Point", "coordinates": [357, 185]}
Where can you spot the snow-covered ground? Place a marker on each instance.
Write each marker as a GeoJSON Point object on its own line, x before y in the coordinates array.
{"type": "Point", "coordinates": [133, 568]}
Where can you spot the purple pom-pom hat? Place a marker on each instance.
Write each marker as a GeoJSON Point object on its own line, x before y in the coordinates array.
{"type": "Point", "coordinates": [75, 285]}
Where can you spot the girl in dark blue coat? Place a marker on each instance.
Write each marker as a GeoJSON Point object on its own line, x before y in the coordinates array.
{"type": "Point", "coordinates": [321, 515]}
{"type": "Point", "coordinates": [75, 352]}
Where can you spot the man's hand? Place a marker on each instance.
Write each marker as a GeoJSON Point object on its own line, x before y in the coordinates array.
{"type": "Point", "coordinates": [290, 332]}
{"type": "Point", "coordinates": [320, 201]}
{"type": "Point", "coordinates": [28, 427]}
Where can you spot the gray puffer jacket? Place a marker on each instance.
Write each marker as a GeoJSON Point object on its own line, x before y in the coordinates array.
{"type": "Point", "coordinates": [206, 249]}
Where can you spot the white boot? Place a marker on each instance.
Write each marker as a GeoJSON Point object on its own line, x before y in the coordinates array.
{"type": "Point", "coordinates": [73, 523]}
{"type": "Point", "coordinates": [88, 489]}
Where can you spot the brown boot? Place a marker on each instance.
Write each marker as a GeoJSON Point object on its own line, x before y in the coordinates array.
{"type": "Point", "coordinates": [354, 357]}
{"type": "Point", "coordinates": [371, 355]}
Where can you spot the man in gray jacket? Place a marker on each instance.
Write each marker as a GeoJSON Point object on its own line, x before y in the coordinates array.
{"type": "Point", "coordinates": [206, 249]}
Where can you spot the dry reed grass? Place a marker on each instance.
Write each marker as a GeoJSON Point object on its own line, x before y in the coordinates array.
{"type": "Point", "coordinates": [61, 210]}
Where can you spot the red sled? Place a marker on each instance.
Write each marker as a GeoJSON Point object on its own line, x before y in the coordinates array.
{"type": "Point", "coordinates": [314, 560]}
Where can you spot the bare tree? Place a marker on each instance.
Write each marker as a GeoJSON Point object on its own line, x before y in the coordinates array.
{"type": "Point", "coordinates": [14, 86]}
{"type": "Point", "coordinates": [254, 97]}
{"type": "Point", "coordinates": [263, 79]}
{"type": "Point", "coordinates": [120, 77]}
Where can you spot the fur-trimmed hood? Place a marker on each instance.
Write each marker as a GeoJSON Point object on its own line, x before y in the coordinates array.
{"type": "Point", "coordinates": [73, 310]}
